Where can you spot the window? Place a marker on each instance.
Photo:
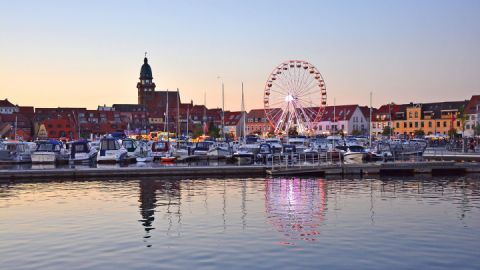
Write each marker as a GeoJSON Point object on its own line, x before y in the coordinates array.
{"type": "Point", "coordinates": [416, 114]}
{"type": "Point", "coordinates": [467, 126]}
{"type": "Point", "coordinates": [404, 124]}
{"type": "Point", "coordinates": [410, 125]}
{"type": "Point", "coordinates": [416, 124]}
{"type": "Point", "coordinates": [410, 115]}
{"type": "Point", "coordinates": [458, 123]}
{"type": "Point", "coordinates": [444, 123]}
{"type": "Point", "coordinates": [422, 124]}
{"type": "Point", "coordinates": [438, 124]}
{"type": "Point", "coordinates": [429, 124]}
{"type": "Point", "coordinates": [398, 125]}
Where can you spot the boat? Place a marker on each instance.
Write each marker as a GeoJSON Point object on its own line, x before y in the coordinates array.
{"type": "Point", "coordinates": [50, 151]}
{"type": "Point", "coordinates": [131, 145]}
{"type": "Point", "coordinates": [183, 149]}
{"type": "Point", "coordinates": [81, 152]}
{"type": "Point", "coordinates": [265, 152]}
{"type": "Point", "coordinates": [219, 150]}
{"type": "Point", "coordinates": [202, 148]}
{"type": "Point", "coordinates": [145, 153]}
{"type": "Point", "coordinates": [243, 155]}
{"type": "Point", "coordinates": [354, 154]}
{"type": "Point", "coordinates": [252, 143]}
{"type": "Point", "coordinates": [300, 143]}
{"type": "Point", "coordinates": [132, 149]}
{"type": "Point", "coordinates": [275, 144]}
{"type": "Point", "coordinates": [161, 149]}
{"type": "Point", "coordinates": [15, 152]}
{"type": "Point", "coordinates": [111, 151]}
{"type": "Point", "coordinates": [168, 159]}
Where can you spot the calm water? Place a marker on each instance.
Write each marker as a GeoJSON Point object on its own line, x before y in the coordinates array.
{"type": "Point", "coordinates": [293, 223]}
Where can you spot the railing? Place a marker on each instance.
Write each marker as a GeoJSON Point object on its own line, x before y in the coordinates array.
{"type": "Point", "coordinates": [301, 160]}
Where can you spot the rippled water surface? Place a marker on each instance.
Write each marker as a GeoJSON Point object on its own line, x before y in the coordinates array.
{"type": "Point", "coordinates": [292, 223]}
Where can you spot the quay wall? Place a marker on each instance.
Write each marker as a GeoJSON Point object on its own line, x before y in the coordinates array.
{"type": "Point", "coordinates": [172, 172]}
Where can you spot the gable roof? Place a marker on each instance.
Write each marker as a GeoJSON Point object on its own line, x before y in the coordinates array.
{"type": "Point", "coordinates": [471, 107]}
{"type": "Point", "coordinates": [6, 103]}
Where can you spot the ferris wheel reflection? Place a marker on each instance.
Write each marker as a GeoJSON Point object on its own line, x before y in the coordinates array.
{"type": "Point", "coordinates": [296, 208]}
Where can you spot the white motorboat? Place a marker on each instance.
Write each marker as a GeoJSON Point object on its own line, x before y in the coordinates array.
{"type": "Point", "coordinates": [14, 152]}
{"type": "Point", "coordinates": [82, 152]}
{"type": "Point", "coordinates": [301, 143]}
{"type": "Point", "coordinates": [219, 150]}
{"type": "Point", "coordinates": [243, 155]}
{"type": "Point", "coordinates": [111, 151]}
{"type": "Point", "coordinates": [354, 154]}
{"type": "Point", "coordinates": [202, 148]}
{"type": "Point", "coordinates": [132, 147]}
{"type": "Point", "coordinates": [145, 153]}
{"type": "Point", "coordinates": [50, 151]}
{"type": "Point", "coordinates": [275, 144]}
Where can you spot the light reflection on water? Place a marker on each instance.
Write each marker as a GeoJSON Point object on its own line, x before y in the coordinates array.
{"type": "Point", "coordinates": [242, 223]}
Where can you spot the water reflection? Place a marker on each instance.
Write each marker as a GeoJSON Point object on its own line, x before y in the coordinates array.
{"type": "Point", "coordinates": [296, 207]}
{"type": "Point", "coordinates": [155, 194]}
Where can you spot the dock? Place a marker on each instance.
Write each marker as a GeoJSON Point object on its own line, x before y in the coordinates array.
{"type": "Point", "coordinates": [319, 170]}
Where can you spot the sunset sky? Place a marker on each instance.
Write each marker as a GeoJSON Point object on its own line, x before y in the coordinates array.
{"type": "Point", "coordinates": [89, 53]}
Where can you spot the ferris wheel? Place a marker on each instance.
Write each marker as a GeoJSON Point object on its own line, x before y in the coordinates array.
{"type": "Point", "coordinates": [295, 96]}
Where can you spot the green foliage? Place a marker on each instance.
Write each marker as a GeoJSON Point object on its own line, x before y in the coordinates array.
{"type": "Point", "coordinates": [213, 131]}
{"type": "Point", "coordinates": [419, 133]}
{"type": "Point", "coordinates": [387, 130]}
{"type": "Point", "coordinates": [197, 130]}
{"type": "Point", "coordinates": [452, 132]}
{"type": "Point", "coordinates": [292, 131]}
{"type": "Point", "coordinates": [477, 129]}
{"type": "Point", "coordinates": [356, 132]}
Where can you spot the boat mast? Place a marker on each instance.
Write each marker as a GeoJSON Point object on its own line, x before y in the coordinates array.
{"type": "Point", "coordinates": [165, 126]}
{"type": "Point", "coordinates": [204, 112]}
{"type": "Point", "coordinates": [223, 112]}
{"type": "Point", "coordinates": [370, 123]}
{"type": "Point", "coordinates": [243, 116]}
{"type": "Point", "coordinates": [178, 112]}
{"type": "Point", "coordinates": [188, 112]}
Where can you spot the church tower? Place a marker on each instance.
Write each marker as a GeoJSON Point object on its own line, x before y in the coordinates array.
{"type": "Point", "coordinates": [145, 86]}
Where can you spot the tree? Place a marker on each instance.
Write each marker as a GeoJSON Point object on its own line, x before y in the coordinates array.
{"type": "Point", "coordinates": [452, 133]}
{"type": "Point", "coordinates": [213, 131]}
{"type": "Point", "coordinates": [356, 132]}
{"type": "Point", "coordinates": [197, 130]}
{"type": "Point", "coordinates": [387, 130]}
{"type": "Point", "coordinates": [477, 129]}
{"type": "Point", "coordinates": [292, 131]}
{"type": "Point", "coordinates": [419, 133]}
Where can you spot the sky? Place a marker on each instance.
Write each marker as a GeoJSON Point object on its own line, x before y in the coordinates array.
{"type": "Point", "coordinates": [89, 53]}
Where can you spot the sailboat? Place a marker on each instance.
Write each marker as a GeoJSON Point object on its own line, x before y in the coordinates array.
{"type": "Point", "coordinates": [167, 157]}
{"type": "Point", "coordinates": [220, 150]}
{"type": "Point", "coordinates": [243, 154]}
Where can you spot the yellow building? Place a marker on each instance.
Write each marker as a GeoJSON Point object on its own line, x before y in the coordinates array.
{"type": "Point", "coordinates": [431, 118]}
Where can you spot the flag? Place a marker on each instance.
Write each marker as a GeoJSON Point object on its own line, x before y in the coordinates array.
{"type": "Point", "coordinates": [205, 128]}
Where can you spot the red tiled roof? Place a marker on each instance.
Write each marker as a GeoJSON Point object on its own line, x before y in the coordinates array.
{"type": "Point", "coordinates": [232, 118]}
{"type": "Point", "coordinates": [472, 104]}
{"type": "Point", "coordinates": [342, 112]}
